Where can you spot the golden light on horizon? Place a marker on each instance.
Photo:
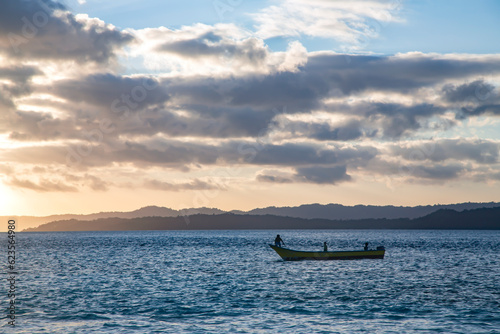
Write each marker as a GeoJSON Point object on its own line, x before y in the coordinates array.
{"type": "Point", "coordinates": [7, 200]}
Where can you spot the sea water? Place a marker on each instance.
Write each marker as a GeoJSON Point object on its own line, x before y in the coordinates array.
{"type": "Point", "coordinates": [233, 282]}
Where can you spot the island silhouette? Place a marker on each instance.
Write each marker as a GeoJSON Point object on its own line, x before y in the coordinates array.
{"type": "Point", "coordinates": [476, 219]}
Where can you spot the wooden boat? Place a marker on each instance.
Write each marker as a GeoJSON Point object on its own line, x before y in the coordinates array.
{"type": "Point", "coordinates": [293, 255]}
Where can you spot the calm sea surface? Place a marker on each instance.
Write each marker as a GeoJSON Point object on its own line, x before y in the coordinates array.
{"type": "Point", "coordinates": [232, 282]}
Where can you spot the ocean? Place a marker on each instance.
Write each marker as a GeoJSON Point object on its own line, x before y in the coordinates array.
{"type": "Point", "coordinates": [233, 282]}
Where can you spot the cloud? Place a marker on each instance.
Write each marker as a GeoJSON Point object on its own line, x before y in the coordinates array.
{"type": "Point", "coordinates": [345, 131]}
{"type": "Point", "coordinates": [401, 73]}
{"type": "Point", "coordinates": [478, 90]}
{"type": "Point", "coordinates": [192, 185]}
{"type": "Point", "coordinates": [304, 154]}
{"type": "Point", "coordinates": [103, 90]}
{"type": "Point", "coordinates": [480, 151]}
{"type": "Point", "coordinates": [179, 155]}
{"type": "Point", "coordinates": [437, 172]}
{"type": "Point", "coordinates": [232, 107]}
{"type": "Point", "coordinates": [323, 175]}
{"type": "Point", "coordinates": [211, 44]}
{"type": "Point", "coordinates": [492, 109]}
{"type": "Point", "coordinates": [45, 29]}
{"type": "Point", "coordinates": [19, 73]}
{"type": "Point", "coordinates": [44, 185]}
{"type": "Point", "coordinates": [206, 122]}
{"type": "Point", "coordinates": [473, 99]}
{"type": "Point", "coordinates": [96, 183]}
{"type": "Point", "coordinates": [315, 175]}
{"type": "Point", "coordinates": [327, 76]}
{"type": "Point", "coordinates": [6, 169]}
{"type": "Point", "coordinates": [181, 122]}
{"type": "Point", "coordinates": [351, 23]}
{"type": "Point", "coordinates": [223, 98]}
{"type": "Point", "coordinates": [275, 178]}
{"type": "Point", "coordinates": [398, 120]}
{"type": "Point", "coordinates": [212, 51]}
{"type": "Point", "coordinates": [15, 81]}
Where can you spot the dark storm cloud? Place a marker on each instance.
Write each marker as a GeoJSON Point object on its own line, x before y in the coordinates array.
{"type": "Point", "coordinates": [328, 75]}
{"type": "Point", "coordinates": [480, 151]}
{"type": "Point", "coordinates": [44, 29]}
{"type": "Point", "coordinates": [224, 123]}
{"type": "Point", "coordinates": [350, 131]}
{"type": "Point", "coordinates": [322, 175]}
{"type": "Point", "coordinates": [235, 108]}
{"type": "Point", "coordinates": [210, 44]}
{"type": "Point", "coordinates": [398, 74]}
{"type": "Point", "coordinates": [389, 120]}
{"type": "Point", "coordinates": [394, 109]}
{"type": "Point", "coordinates": [179, 155]}
{"type": "Point", "coordinates": [398, 119]}
{"type": "Point", "coordinates": [245, 106]}
{"type": "Point", "coordinates": [478, 89]}
{"type": "Point", "coordinates": [303, 154]}
{"type": "Point", "coordinates": [19, 73]}
{"type": "Point", "coordinates": [418, 172]}
{"type": "Point", "coordinates": [315, 174]}
{"type": "Point", "coordinates": [173, 154]}
{"type": "Point", "coordinates": [473, 99]}
{"type": "Point", "coordinates": [176, 153]}
{"type": "Point", "coordinates": [493, 109]}
{"type": "Point", "coordinates": [346, 131]}
{"type": "Point", "coordinates": [18, 84]}
{"type": "Point", "coordinates": [90, 102]}
{"type": "Point", "coordinates": [300, 91]}
{"type": "Point", "coordinates": [104, 90]}
{"type": "Point", "coordinates": [437, 172]}
{"type": "Point", "coordinates": [257, 92]}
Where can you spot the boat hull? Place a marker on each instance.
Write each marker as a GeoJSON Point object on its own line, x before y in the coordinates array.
{"type": "Point", "coordinates": [293, 255]}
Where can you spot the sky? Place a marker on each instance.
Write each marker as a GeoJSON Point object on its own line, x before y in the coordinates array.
{"type": "Point", "coordinates": [238, 104]}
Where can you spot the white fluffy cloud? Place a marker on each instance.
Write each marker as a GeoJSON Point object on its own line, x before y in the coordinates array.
{"type": "Point", "coordinates": [350, 22]}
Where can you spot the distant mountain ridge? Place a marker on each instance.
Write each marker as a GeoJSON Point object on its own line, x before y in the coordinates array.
{"type": "Point", "coordinates": [338, 211]}
{"type": "Point", "coordinates": [306, 211]}
{"type": "Point", "coordinates": [476, 219]}
{"type": "Point", "coordinates": [25, 222]}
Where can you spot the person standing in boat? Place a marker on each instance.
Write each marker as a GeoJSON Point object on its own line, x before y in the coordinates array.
{"type": "Point", "coordinates": [325, 247]}
{"type": "Point", "coordinates": [366, 246]}
{"type": "Point", "coordinates": [278, 241]}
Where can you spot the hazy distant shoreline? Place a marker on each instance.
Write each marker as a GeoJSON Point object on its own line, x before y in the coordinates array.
{"type": "Point", "coordinates": [476, 219]}
{"type": "Point", "coordinates": [306, 211]}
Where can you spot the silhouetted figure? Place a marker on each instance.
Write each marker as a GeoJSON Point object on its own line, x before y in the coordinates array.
{"type": "Point", "coordinates": [278, 241]}
{"type": "Point", "coordinates": [366, 246]}
{"type": "Point", "coordinates": [325, 247]}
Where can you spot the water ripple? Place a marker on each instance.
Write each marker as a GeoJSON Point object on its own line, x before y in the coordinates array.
{"type": "Point", "coordinates": [232, 282]}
